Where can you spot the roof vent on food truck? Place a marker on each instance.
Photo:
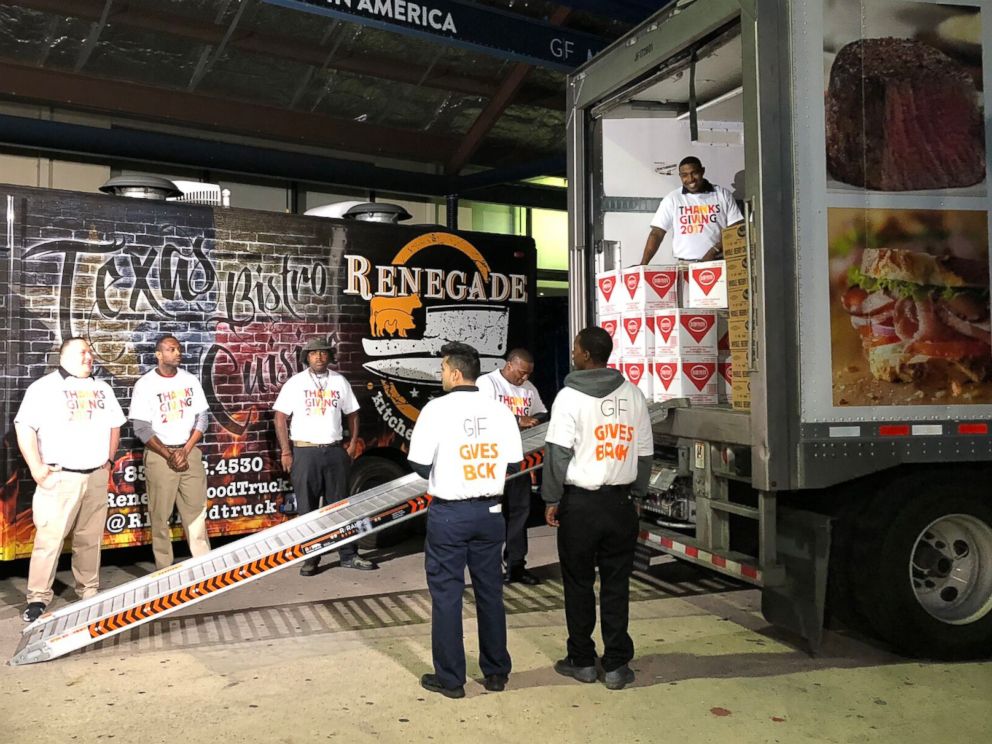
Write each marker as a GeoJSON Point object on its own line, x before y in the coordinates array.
{"type": "Point", "coordinates": [141, 187]}
{"type": "Point", "coordinates": [362, 211]}
{"type": "Point", "coordinates": [197, 192]}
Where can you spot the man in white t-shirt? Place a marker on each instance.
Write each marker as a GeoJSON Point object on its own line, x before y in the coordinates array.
{"type": "Point", "coordinates": [169, 415]}
{"type": "Point", "coordinates": [309, 414]}
{"type": "Point", "coordinates": [512, 387]}
{"type": "Point", "coordinates": [696, 214]}
{"type": "Point", "coordinates": [464, 443]}
{"type": "Point", "coordinates": [68, 429]}
{"type": "Point", "coordinates": [598, 453]}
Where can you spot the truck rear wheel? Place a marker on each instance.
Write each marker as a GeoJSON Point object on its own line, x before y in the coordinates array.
{"type": "Point", "coordinates": [924, 568]}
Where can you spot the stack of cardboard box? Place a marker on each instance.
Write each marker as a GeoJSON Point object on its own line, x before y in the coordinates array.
{"type": "Point", "coordinates": [671, 333]}
{"type": "Point", "coordinates": [736, 255]}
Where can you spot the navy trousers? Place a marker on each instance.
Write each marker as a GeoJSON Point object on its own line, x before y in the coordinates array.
{"type": "Point", "coordinates": [460, 534]}
{"type": "Point", "coordinates": [597, 530]}
{"type": "Point", "coordinates": [320, 477]}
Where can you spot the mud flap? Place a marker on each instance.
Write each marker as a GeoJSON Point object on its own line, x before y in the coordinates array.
{"type": "Point", "coordinates": [797, 603]}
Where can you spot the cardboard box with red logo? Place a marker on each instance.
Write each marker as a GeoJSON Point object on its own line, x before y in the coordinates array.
{"type": "Point", "coordinates": [608, 294]}
{"type": "Point", "coordinates": [611, 324]}
{"type": "Point", "coordinates": [637, 336]}
{"type": "Point", "coordinates": [722, 333]}
{"type": "Point", "coordinates": [695, 379]}
{"type": "Point", "coordinates": [724, 378]}
{"type": "Point", "coordinates": [640, 372]}
{"type": "Point", "coordinates": [686, 333]}
{"type": "Point", "coordinates": [707, 285]}
{"type": "Point", "coordinates": [649, 288]}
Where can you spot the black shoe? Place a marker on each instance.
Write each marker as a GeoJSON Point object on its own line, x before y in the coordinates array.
{"type": "Point", "coordinates": [33, 611]}
{"type": "Point", "coordinates": [431, 683]}
{"type": "Point", "coordinates": [362, 564]}
{"type": "Point", "coordinates": [618, 678]}
{"type": "Point", "coordinates": [309, 567]}
{"type": "Point", "coordinates": [520, 575]}
{"type": "Point", "coordinates": [566, 668]}
{"type": "Point", "coordinates": [495, 682]}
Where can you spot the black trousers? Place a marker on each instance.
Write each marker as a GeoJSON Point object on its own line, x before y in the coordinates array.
{"type": "Point", "coordinates": [516, 510]}
{"type": "Point", "coordinates": [460, 534]}
{"type": "Point", "coordinates": [320, 477]}
{"type": "Point", "coordinates": [597, 530]}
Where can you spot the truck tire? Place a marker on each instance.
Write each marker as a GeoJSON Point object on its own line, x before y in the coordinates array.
{"type": "Point", "coordinates": [371, 471]}
{"type": "Point", "coordinates": [923, 569]}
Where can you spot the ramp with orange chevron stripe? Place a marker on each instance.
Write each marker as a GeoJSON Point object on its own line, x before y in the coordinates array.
{"type": "Point", "coordinates": [154, 596]}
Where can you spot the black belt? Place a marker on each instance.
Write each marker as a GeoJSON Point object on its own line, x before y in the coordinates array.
{"type": "Point", "coordinates": [298, 443]}
{"type": "Point", "coordinates": [75, 470]}
{"type": "Point", "coordinates": [493, 499]}
{"type": "Point", "coordinates": [602, 490]}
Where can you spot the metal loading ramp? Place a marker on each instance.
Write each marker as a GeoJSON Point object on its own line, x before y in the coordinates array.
{"type": "Point", "coordinates": [177, 587]}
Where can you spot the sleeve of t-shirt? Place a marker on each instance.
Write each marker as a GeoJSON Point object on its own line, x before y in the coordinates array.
{"type": "Point", "coordinates": [31, 411]}
{"type": "Point", "coordinates": [730, 208]}
{"type": "Point", "coordinates": [423, 443]}
{"type": "Point", "coordinates": [114, 409]}
{"type": "Point", "coordinates": [349, 403]}
{"type": "Point", "coordinates": [486, 387]}
{"type": "Point", "coordinates": [199, 399]}
{"type": "Point", "coordinates": [561, 429]}
{"type": "Point", "coordinates": [514, 448]}
{"type": "Point", "coordinates": [139, 404]}
{"type": "Point", "coordinates": [284, 401]}
{"type": "Point", "coordinates": [645, 437]}
{"type": "Point", "coordinates": [665, 216]}
{"type": "Point", "coordinates": [537, 406]}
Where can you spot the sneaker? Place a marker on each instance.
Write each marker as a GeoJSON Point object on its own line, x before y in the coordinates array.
{"type": "Point", "coordinates": [362, 564]}
{"type": "Point", "coordinates": [566, 668]}
{"type": "Point", "coordinates": [33, 611]}
{"type": "Point", "coordinates": [309, 567]}
{"type": "Point", "coordinates": [495, 682]}
{"type": "Point", "coordinates": [431, 683]}
{"type": "Point", "coordinates": [618, 678]}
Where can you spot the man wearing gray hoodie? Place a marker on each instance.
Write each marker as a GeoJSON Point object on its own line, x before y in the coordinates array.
{"type": "Point", "coordinates": [598, 455]}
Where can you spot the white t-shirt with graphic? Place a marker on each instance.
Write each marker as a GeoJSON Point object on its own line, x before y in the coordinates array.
{"type": "Point", "coordinates": [315, 404]}
{"type": "Point", "coordinates": [606, 434]}
{"type": "Point", "coordinates": [696, 220]}
{"type": "Point", "coordinates": [74, 417]}
{"type": "Point", "coordinates": [468, 439]}
{"type": "Point", "coordinates": [170, 404]}
{"type": "Point", "coordinates": [522, 400]}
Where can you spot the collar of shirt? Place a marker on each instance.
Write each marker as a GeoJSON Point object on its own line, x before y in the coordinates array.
{"type": "Point", "coordinates": [464, 389]}
{"type": "Point", "coordinates": [706, 189]}
{"type": "Point", "coordinates": [66, 373]}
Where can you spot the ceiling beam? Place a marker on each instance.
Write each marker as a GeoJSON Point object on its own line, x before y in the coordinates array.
{"type": "Point", "coordinates": [276, 45]}
{"type": "Point", "coordinates": [494, 109]}
{"type": "Point", "coordinates": [112, 97]}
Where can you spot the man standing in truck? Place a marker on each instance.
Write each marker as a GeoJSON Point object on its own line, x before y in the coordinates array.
{"type": "Point", "coordinates": [696, 214]}
{"type": "Point", "coordinates": [512, 387]}
{"type": "Point", "coordinates": [169, 413]}
{"type": "Point", "coordinates": [68, 429]}
{"type": "Point", "coordinates": [308, 416]}
{"type": "Point", "coordinates": [598, 455]}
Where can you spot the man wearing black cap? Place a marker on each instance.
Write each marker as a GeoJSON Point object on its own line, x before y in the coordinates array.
{"type": "Point", "coordinates": [309, 410]}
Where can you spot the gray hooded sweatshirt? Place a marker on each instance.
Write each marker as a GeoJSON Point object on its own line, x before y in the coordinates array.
{"type": "Point", "coordinates": [597, 383]}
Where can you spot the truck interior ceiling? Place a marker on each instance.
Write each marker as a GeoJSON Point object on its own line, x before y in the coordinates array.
{"type": "Point", "coordinates": [691, 104]}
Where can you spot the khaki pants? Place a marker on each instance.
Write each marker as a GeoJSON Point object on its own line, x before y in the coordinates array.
{"type": "Point", "coordinates": [187, 492]}
{"type": "Point", "coordinates": [76, 503]}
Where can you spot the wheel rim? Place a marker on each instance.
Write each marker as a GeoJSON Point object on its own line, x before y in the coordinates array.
{"type": "Point", "coordinates": [951, 569]}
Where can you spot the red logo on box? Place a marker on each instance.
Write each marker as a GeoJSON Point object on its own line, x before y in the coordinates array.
{"type": "Point", "coordinates": [724, 343]}
{"type": "Point", "coordinates": [700, 373]}
{"type": "Point", "coordinates": [633, 326]}
{"type": "Point", "coordinates": [634, 372]}
{"type": "Point", "coordinates": [610, 326]}
{"type": "Point", "coordinates": [666, 372]}
{"type": "Point", "coordinates": [726, 371]}
{"type": "Point", "coordinates": [661, 281]}
{"type": "Point", "coordinates": [698, 325]}
{"type": "Point", "coordinates": [665, 325]}
{"type": "Point", "coordinates": [706, 278]}
{"type": "Point", "coordinates": [606, 285]}
{"type": "Point", "coordinates": [632, 281]}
